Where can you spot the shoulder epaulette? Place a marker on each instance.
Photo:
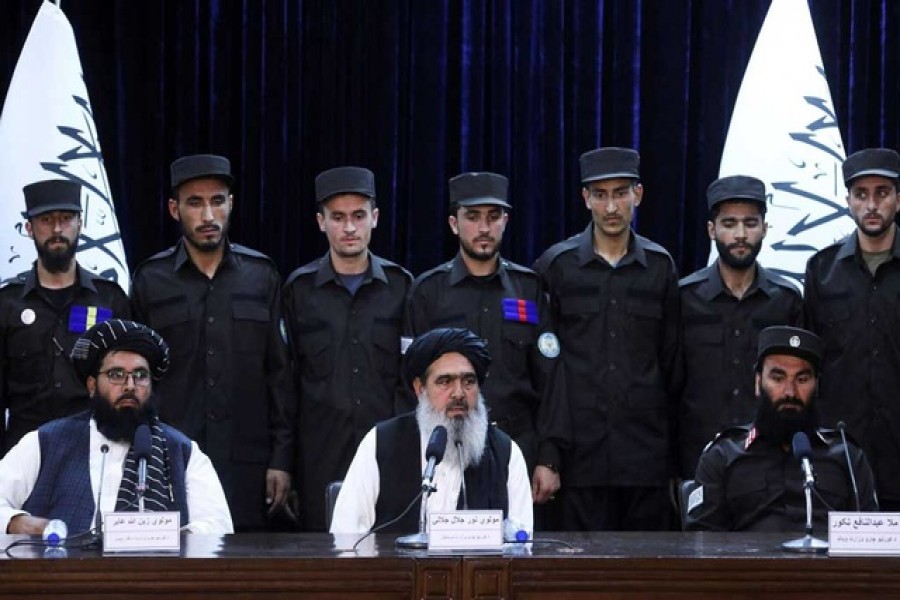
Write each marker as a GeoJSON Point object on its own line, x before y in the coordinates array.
{"type": "Point", "coordinates": [553, 252]}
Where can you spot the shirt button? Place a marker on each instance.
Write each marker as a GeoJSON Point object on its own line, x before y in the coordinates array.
{"type": "Point", "coordinates": [735, 392]}
{"type": "Point", "coordinates": [57, 352]}
{"type": "Point", "coordinates": [357, 401]}
{"type": "Point", "coordinates": [210, 415]}
{"type": "Point", "coordinates": [354, 341]}
{"type": "Point", "coordinates": [872, 320]}
{"type": "Point", "coordinates": [210, 287]}
{"type": "Point", "coordinates": [211, 382]}
{"type": "Point", "coordinates": [355, 370]}
{"type": "Point", "coordinates": [612, 367]}
{"type": "Point", "coordinates": [57, 385]}
{"type": "Point", "coordinates": [612, 334]}
{"type": "Point", "coordinates": [874, 351]}
{"type": "Point", "coordinates": [612, 301]}
{"type": "Point", "coordinates": [737, 332]}
{"type": "Point", "coordinates": [210, 320]}
{"type": "Point", "coordinates": [737, 361]}
{"type": "Point", "coordinates": [211, 352]}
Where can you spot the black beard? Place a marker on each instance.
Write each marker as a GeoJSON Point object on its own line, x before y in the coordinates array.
{"type": "Point", "coordinates": [203, 246]}
{"type": "Point", "coordinates": [471, 252]}
{"type": "Point", "coordinates": [779, 426]}
{"type": "Point", "coordinates": [741, 264]}
{"type": "Point", "coordinates": [55, 261]}
{"type": "Point", "coordinates": [119, 424]}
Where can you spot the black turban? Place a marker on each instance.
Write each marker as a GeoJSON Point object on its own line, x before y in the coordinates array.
{"type": "Point", "coordinates": [118, 334]}
{"type": "Point", "coordinates": [430, 346]}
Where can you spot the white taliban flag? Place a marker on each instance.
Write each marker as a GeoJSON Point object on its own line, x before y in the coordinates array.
{"type": "Point", "coordinates": [784, 131]}
{"type": "Point", "coordinates": [47, 131]}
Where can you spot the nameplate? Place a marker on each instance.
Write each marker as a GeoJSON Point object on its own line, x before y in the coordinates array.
{"type": "Point", "coordinates": [470, 530]}
{"type": "Point", "coordinates": [864, 534]}
{"type": "Point", "coordinates": [142, 532]}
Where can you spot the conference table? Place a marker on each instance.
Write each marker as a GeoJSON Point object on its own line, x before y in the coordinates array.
{"type": "Point", "coordinates": [603, 565]}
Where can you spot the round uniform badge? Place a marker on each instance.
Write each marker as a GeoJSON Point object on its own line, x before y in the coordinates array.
{"type": "Point", "coordinates": [548, 344]}
{"type": "Point", "coordinates": [28, 316]}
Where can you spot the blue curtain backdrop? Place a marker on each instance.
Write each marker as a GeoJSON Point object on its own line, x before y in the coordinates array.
{"type": "Point", "coordinates": [419, 90]}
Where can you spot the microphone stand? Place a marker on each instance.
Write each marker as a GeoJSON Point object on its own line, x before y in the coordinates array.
{"type": "Point", "coordinates": [418, 541]}
{"type": "Point", "coordinates": [806, 544]}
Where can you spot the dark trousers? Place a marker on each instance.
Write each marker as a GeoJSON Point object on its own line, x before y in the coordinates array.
{"type": "Point", "coordinates": [614, 508]}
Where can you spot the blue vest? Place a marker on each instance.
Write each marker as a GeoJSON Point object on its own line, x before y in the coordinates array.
{"type": "Point", "coordinates": [400, 473]}
{"type": "Point", "coordinates": [63, 486]}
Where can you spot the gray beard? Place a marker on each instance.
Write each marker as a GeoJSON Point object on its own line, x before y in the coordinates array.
{"type": "Point", "coordinates": [470, 431]}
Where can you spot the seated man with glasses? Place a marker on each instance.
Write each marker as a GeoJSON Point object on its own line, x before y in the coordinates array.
{"type": "Point", "coordinates": [482, 468]}
{"type": "Point", "coordinates": [59, 471]}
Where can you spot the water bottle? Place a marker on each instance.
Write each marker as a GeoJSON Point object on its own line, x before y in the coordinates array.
{"type": "Point", "coordinates": [514, 531]}
{"type": "Point", "coordinates": [55, 532]}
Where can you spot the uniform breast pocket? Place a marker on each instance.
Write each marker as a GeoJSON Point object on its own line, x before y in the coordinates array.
{"type": "Point", "coordinates": [317, 349]}
{"type": "Point", "coordinates": [517, 339]}
{"type": "Point", "coordinates": [251, 326]}
{"type": "Point", "coordinates": [645, 321]}
{"type": "Point", "coordinates": [172, 320]}
{"type": "Point", "coordinates": [836, 318]}
{"type": "Point", "coordinates": [24, 351]}
{"type": "Point", "coordinates": [581, 307]}
{"type": "Point", "coordinates": [386, 338]}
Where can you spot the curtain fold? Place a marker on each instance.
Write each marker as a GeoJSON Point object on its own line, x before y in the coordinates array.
{"type": "Point", "coordinates": [419, 91]}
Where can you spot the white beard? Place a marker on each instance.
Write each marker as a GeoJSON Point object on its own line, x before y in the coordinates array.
{"type": "Point", "coordinates": [469, 431]}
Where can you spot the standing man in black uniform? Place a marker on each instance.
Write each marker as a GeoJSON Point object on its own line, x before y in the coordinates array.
{"type": "Point", "coordinates": [502, 303]}
{"type": "Point", "coordinates": [344, 314]}
{"type": "Point", "coordinates": [723, 308]}
{"type": "Point", "coordinates": [852, 300]}
{"type": "Point", "coordinates": [748, 478]}
{"type": "Point", "coordinates": [218, 304]}
{"type": "Point", "coordinates": [44, 311]}
{"type": "Point", "coordinates": [614, 296]}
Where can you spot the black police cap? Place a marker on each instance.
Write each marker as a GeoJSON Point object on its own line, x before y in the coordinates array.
{"type": "Point", "coordinates": [479, 189]}
{"type": "Point", "coordinates": [609, 163]}
{"type": "Point", "coordinates": [883, 162]}
{"type": "Point", "coordinates": [49, 195]}
{"type": "Point", "coordinates": [735, 187]}
{"type": "Point", "coordinates": [792, 341]}
{"type": "Point", "coordinates": [344, 180]}
{"type": "Point", "coordinates": [201, 166]}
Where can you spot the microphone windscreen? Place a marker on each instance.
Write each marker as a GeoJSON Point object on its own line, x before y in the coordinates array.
{"type": "Point", "coordinates": [800, 446]}
{"type": "Point", "coordinates": [142, 442]}
{"type": "Point", "coordinates": [437, 443]}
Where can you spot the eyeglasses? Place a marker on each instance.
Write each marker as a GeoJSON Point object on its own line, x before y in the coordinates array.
{"type": "Point", "coordinates": [117, 376]}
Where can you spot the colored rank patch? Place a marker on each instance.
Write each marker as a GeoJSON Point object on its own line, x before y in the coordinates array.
{"type": "Point", "coordinates": [517, 309]}
{"type": "Point", "coordinates": [82, 318]}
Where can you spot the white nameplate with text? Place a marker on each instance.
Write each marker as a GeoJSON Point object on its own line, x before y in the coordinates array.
{"type": "Point", "coordinates": [864, 534]}
{"type": "Point", "coordinates": [142, 532]}
{"type": "Point", "coordinates": [466, 530]}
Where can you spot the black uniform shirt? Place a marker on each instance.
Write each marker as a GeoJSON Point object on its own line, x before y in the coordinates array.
{"type": "Point", "coordinates": [229, 384]}
{"type": "Point", "coordinates": [858, 317]}
{"type": "Point", "coordinates": [346, 349]}
{"type": "Point", "coordinates": [720, 338]}
{"type": "Point", "coordinates": [508, 310]}
{"type": "Point", "coordinates": [746, 483]}
{"type": "Point", "coordinates": [619, 333]}
{"type": "Point", "coordinates": [37, 381]}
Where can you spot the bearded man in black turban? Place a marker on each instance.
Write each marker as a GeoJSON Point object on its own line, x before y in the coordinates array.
{"type": "Point", "coordinates": [481, 467]}
{"type": "Point", "coordinates": [59, 470]}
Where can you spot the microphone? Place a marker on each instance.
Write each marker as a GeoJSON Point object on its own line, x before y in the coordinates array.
{"type": "Point", "coordinates": [802, 451]}
{"type": "Point", "coordinates": [104, 450]}
{"type": "Point", "coordinates": [465, 493]}
{"type": "Point", "coordinates": [841, 426]}
{"type": "Point", "coordinates": [434, 454]}
{"type": "Point", "coordinates": [142, 444]}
